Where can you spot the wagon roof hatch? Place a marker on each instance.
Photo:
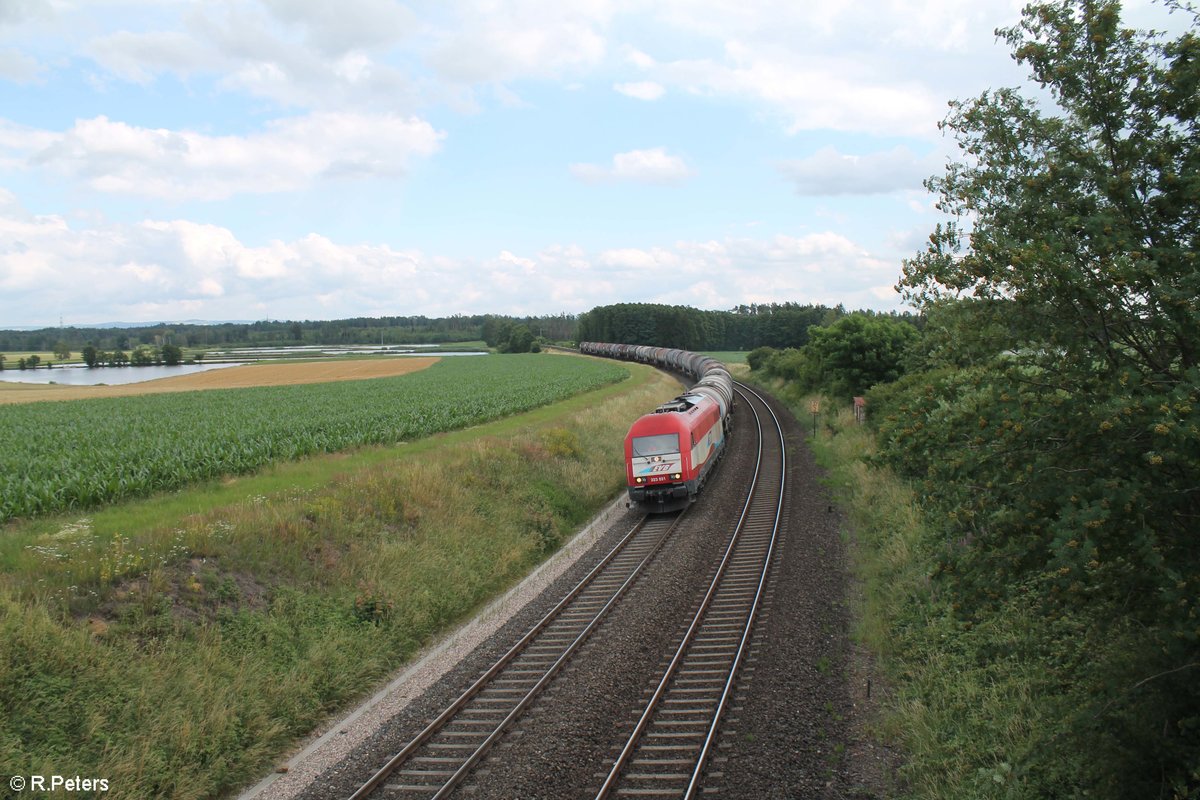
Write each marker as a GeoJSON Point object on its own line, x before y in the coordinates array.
{"type": "Point", "coordinates": [685, 402]}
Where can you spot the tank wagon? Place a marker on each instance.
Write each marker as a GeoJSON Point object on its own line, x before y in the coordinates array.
{"type": "Point", "coordinates": [670, 452]}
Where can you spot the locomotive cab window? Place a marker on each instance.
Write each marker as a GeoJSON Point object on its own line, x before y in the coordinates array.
{"type": "Point", "coordinates": [656, 445]}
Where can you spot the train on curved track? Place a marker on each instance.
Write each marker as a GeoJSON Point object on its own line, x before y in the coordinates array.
{"type": "Point", "coordinates": [670, 452]}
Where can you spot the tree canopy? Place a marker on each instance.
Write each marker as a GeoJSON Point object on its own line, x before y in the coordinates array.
{"type": "Point", "coordinates": [1054, 429]}
{"type": "Point", "coordinates": [1087, 215]}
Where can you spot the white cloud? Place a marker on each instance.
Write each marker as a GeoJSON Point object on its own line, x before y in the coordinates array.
{"type": "Point", "coordinates": [813, 91]}
{"type": "Point", "coordinates": [172, 269]}
{"type": "Point", "coordinates": [338, 28]}
{"type": "Point", "coordinates": [335, 64]}
{"type": "Point", "coordinates": [828, 172]}
{"type": "Point", "coordinates": [642, 90]}
{"type": "Point", "coordinates": [17, 11]}
{"type": "Point", "coordinates": [18, 67]}
{"type": "Point", "coordinates": [18, 141]}
{"type": "Point", "coordinates": [820, 267]}
{"type": "Point", "coordinates": [636, 259]}
{"type": "Point", "coordinates": [638, 59]}
{"type": "Point", "coordinates": [653, 166]}
{"type": "Point", "coordinates": [138, 57]}
{"type": "Point", "coordinates": [492, 40]}
{"type": "Point", "coordinates": [291, 153]}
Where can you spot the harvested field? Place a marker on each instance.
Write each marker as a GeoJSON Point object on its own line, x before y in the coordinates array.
{"type": "Point", "coordinates": [240, 377]}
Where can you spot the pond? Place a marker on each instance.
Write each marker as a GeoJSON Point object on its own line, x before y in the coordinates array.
{"type": "Point", "coordinates": [79, 375]}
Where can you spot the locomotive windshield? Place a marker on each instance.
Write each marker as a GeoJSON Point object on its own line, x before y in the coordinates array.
{"type": "Point", "coordinates": [658, 445]}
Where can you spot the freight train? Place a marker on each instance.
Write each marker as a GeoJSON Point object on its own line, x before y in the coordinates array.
{"type": "Point", "coordinates": [672, 451]}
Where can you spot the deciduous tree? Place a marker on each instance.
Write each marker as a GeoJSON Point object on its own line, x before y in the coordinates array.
{"type": "Point", "coordinates": [1064, 468]}
{"type": "Point", "coordinates": [857, 352]}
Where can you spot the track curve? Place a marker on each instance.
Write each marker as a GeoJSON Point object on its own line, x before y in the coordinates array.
{"type": "Point", "coordinates": [669, 748]}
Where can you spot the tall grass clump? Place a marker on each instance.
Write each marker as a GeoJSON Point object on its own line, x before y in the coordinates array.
{"type": "Point", "coordinates": [177, 660]}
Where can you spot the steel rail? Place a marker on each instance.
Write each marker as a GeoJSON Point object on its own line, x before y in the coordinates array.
{"type": "Point", "coordinates": [451, 711]}
{"type": "Point", "coordinates": [710, 740]}
{"type": "Point", "coordinates": [652, 706]}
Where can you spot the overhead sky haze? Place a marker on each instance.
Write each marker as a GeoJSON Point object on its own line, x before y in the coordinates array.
{"type": "Point", "coordinates": [303, 159]}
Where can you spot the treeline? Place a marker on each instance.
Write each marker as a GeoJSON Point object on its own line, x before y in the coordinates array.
{"type": "Point", "coordinates": [277, 333]}
{"type": "Point", "coordinates": [777, 325]}
{"type": "Point", "coordinates": [143, 355]}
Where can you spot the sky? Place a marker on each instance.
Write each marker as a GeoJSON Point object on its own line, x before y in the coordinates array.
{"type": "Point", "coordinates": [167, 160]}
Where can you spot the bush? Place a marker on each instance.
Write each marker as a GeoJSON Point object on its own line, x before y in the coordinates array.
{"type": "Point", "coordinates": [759, 356]}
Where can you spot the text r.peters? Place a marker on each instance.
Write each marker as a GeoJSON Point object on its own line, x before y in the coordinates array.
{"type": "Point", "coordinates": [51, 783]}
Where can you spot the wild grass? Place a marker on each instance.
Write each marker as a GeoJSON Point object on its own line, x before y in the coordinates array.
{"type": "Point", "coordinates": [728, 356]}
{"type": "Point", "coordinates": [963, 699]}
{"type": "Point", "coordinates": [178, 656]}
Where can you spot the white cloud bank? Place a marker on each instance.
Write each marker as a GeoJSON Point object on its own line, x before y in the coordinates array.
{"type": "Point", "coordinates": [877, 68]}
{"type": "Point", "coordinates": [176, 269]}
{"type": "Point", "coordinates": [810, 90]}
{"type": "Point", "coordinates": [290, 153]}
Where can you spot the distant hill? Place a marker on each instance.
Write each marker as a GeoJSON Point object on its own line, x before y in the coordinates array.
{"type": "Point", "coordinates": [131, 324]}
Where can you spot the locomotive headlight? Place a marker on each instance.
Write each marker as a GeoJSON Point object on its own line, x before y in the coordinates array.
{"type": "Point", "coordinates": [640, 480]}
{"type": "Point", "coordinates": [677, 475]}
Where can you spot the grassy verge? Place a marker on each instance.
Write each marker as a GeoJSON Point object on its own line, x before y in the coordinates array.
{"type": "Point", "coordinates": [176, 646]}
{"type": "Point", "coordinates": [963, 699]}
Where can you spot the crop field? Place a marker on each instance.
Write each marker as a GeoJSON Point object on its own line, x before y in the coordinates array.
{"type": "Point", "coordinates": [263, 374]}
{"type": "Point", "coordinates": [80, 454]}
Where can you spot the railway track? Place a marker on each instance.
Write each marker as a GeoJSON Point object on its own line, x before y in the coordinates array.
{"type": "Point", "coordinates": [669, 748]}
{"type": "Point", "coordinates": [668, 751]}
{"type": "Point", "coordinates": [444, 753]}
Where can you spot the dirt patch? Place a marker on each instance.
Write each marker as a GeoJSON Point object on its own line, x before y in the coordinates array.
{"type": "Point", "coordinates": [194, 591]}
{"type": "Point", "coordinates": [240, 377]}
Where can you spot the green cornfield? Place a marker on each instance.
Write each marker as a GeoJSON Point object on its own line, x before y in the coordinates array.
{"type": "Point", "coordinates": [59, 456]}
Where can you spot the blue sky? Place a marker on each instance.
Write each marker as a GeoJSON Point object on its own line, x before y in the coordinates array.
{"type": "Point", "coordinates": [305, 159]}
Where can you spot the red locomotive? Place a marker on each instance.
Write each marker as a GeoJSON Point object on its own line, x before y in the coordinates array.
{"type": "Point", "coordinates": [671, 452]}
